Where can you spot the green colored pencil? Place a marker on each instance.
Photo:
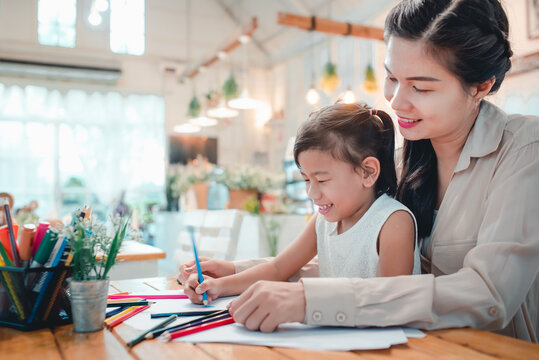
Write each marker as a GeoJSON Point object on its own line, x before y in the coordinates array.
{"type": "Point", "coordinates": [142, 336]}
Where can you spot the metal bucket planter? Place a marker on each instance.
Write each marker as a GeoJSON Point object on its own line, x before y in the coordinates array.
{"type": "Point", "coordinates": [88, 304]}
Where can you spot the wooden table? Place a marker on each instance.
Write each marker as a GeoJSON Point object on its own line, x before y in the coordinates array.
{"type": "Point", "coordinates": [63, 343]}
{"type": "Point", "coordinates": [136, 260]}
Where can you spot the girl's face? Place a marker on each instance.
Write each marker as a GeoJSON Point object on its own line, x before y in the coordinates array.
{"type": "Point", "coordinates": [429, 100]}
{"type": "Point", "coordinates": [335, 188]}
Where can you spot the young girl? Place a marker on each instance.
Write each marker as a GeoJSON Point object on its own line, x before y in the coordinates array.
{"type": "Point", "coordinates": [345, 153]}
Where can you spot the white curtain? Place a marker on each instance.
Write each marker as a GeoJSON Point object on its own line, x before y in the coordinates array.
{"type": "Point", "coordinates": [109, 141]}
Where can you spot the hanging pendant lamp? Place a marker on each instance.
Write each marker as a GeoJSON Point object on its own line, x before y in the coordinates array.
{"type": "Point", "coordinates": [186, 128]}
{"type": "Point", "coordinates": [222, 111]}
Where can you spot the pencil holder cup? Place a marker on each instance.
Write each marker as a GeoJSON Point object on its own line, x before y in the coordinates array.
{"type": "Point", "coordinates": [34, 298]}
{"type": "Point", "coordinates": [88, 304]}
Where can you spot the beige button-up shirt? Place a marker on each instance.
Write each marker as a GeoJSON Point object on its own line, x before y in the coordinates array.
{"type": "Point", "coordinates": [483, 252]}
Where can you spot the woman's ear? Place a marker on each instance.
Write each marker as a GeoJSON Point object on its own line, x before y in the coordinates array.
{"type": "Point", "coordinates": [370, 167]}
{"type": "Point", "coordinates": [481, 90]}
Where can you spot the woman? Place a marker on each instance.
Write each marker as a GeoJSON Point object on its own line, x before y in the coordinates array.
{"type": "Point", "coordinates": [470, 175]}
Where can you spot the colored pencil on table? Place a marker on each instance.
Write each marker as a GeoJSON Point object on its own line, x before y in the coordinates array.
{"type": "Point", "coordinates": [185, 313]}
{"type": "Point", "coordinates": [131, 303]}
{"type": "Point", "coordinates": [142, 336]}
{"type": "Point", "coordinates": [186, 324]}
{"type": "Point", "coordinates": [150, 297]}
{"type": "Point", "coordinates": [113, 301]}
{"type": "Point", "coordinates": [114, 312]}
{"type": "Point", "coordinates": [123, 312]}
{"type": "Point", "coordinates": [197, 261]}
{"type": "Point", "coordinates": [167, 336]}
{"type": "Point", "coordinates": [121, 319]}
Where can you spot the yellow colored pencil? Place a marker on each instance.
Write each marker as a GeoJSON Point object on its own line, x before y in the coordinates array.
{"type": "Point", "coordinates": [112, 318]}
{"type": "Point", "coordinates": [113, 301]}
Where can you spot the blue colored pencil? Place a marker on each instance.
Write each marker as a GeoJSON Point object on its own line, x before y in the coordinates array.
{"type": "Point", "coordinates": [199, 270]}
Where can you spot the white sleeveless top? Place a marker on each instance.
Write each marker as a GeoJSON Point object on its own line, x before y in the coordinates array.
{"type": "Point", "coordinates": [353, 253]}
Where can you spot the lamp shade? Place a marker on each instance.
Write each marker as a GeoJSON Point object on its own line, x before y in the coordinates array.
{"type": "Point", "coordinates": [243, 102]}
{"type": "Point", "coordinates": [222, 111]}
{"type": "Point", "coordinates": [203, 121]}
{"type": "Point", "coordinates": [312, 96]}
{"type": "Point", "coordinates": [349, 97]}
{"type": "Point", "coordinates": [186, 128]}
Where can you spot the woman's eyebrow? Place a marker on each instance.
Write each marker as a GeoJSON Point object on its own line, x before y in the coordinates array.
{"type": "Point", "coordinates": [415, 78]}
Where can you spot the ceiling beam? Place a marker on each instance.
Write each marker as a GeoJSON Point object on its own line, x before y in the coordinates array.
{"type": "Point", "coordinates": [246, 30]}
{"type": "Point", "coordinates": [236, 21]}
{"type": "Point", "coordinates": [330, 26]}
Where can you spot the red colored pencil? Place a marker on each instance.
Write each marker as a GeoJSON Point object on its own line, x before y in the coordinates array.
{"type": "Point", "coordinates": [149, 297]}
{"type": "Point", "coordinates": [176, 334]}
{"type": "Point", "coordinates": [127, 316]}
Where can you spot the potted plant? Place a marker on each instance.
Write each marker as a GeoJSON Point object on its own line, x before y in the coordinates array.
{"type": "Point", "coordinates": [94, 253]}
{"type": "Point", "coordinates": [194, 107]}
{"type": "Point", "coordinates": [230, 88]}
{"type": "Point", "coordinates": [330, 80]}
{"type": "Point", "coordinates": [193, 176]}
{"type": "Point", "coordinates": [244, 182]}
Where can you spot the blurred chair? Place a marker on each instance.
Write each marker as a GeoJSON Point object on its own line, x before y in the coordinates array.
{"type": "Point", "coordinates": [194, 218]}
{"type": "Point", "coordinates": [216, 234]}
{"type": "Point", "coordinates": [220, 233]}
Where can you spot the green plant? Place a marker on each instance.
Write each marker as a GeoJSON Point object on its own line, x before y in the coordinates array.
{"type": "Point", "coordinates": [250, 177]}
{"type": "Point", "coordinates": [194, 107]}
{"type": "Point", "coordinates": [186, 176]}
{"type": "Point", "coordinates": [230, 88]}
{"type": "Point", "coordinates": [330, 80]}
{"type": "Point", "coordinates": [369, 85]}
{"type": "Point", "coordinates": [269, 224]}
{"type": "Point", "coordinates": [272, 228]}
{"type": "Point", "coordinates": [94, 251]}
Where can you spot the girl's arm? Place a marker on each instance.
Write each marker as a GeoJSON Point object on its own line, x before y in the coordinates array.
{"type": "Point", "coordinates": [396, 244]}
{"type": "Point", "coordinates": [279, 268]}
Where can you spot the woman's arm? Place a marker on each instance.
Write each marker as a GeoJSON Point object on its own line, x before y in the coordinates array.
{"type": "Point", "coordinates": [499, 276]}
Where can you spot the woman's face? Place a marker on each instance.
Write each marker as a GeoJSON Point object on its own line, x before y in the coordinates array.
{"type": "Point", "coordinates": [429, 100]}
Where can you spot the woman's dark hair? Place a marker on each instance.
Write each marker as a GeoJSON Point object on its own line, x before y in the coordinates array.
{"type": "Point", "coordinates": [350, 133]}
{"type": "Point", "coordinates": [470, 38]}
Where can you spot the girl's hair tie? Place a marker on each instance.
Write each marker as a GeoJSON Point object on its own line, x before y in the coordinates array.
{"type": "Point", "coordinates": [373, 112]}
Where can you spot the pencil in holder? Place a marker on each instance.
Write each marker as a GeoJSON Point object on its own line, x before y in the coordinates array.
{"type": "Point", "coordinates": [34, 298]}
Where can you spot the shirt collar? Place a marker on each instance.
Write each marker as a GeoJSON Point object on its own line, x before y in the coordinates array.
{"type": "Point", "coordinates": [485, 136]}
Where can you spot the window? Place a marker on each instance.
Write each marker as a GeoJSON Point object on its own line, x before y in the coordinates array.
{"type": "Point", "coordinates": [127, 19]}
{"type": "Point", "coordinates": [56, 22]}
{"type": "Point", "coordinates": [66, 149]}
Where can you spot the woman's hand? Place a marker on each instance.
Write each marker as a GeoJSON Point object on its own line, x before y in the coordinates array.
{"type": "Point", "coordinates": [266, 304]}
{"type": "Point", "coordinates": [194, 290]}
{"type": "Point", "coordinates": [211, 267]}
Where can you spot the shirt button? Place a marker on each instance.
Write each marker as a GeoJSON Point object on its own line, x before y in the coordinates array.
{"type": "Point", "coordinates": [492, 311]}
{"type": "Point", "coordinates": [341, 317]}
{"type": "Point", "coordinates": [317, 316]}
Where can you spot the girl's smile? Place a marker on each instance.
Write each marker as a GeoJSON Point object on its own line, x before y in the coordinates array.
{"type": "Point", "coordinates": [336, 187]}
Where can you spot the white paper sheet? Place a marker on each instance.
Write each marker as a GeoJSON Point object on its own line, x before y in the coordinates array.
{"type": "Point", "coordinates": [143, 321]}
{"type": "Point", "coordinates": [413, 333]}
{"type": "Point", "coordinates": [295, 335]}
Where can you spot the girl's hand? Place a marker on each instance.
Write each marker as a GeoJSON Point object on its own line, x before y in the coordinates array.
{"type": "Point", "coordinates": [266, 304]}
{"type": "Point", "coordinates": [209, 266]}
{"type": "Point", "coordinates": [194, 290]}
